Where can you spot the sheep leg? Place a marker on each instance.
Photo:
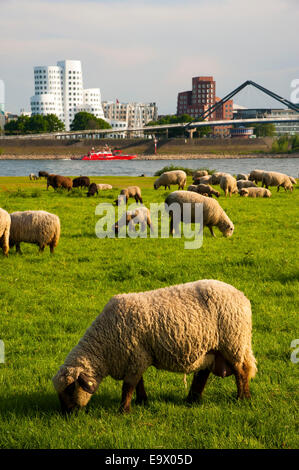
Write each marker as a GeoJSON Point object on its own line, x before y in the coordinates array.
{"type": "Point", "coordinates": [41, 248]}
{"type": "Point", "coordinates": [242, 380]}
{"type": "Point", "coordinates": [212, 231]}
{"type": "Point", "coordinates": [141, 396]}
{"type": "Point", "coordinates": [198, 384]}
{"type": "Point", "coordinates": [18, 249]}
{"type": "Point", "coordinates": [126, 397]}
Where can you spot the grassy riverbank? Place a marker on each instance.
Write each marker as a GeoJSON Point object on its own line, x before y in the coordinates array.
{"type": "Point", "coordinates": [47, 302]}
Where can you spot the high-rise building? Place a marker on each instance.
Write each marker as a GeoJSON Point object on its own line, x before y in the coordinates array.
{"type": "Point", "coordinates": [59, 90]}
{"type": "Point", "coordinates": [200, 99]}
{"type": "Point", "coordinates": [133, 114]}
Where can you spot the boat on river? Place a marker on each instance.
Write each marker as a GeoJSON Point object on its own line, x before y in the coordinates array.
{"type": "Point", "coordinates": [107, 154]}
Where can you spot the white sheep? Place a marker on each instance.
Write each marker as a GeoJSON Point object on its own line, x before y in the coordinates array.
{"type": "Point", "coordinates": [167, 178]}
{"type": "Point", "coordinates": [203, 179]}
{"type": "Point", "coordinates": [245, 184]}
{"type": "Point", "coordinates": [255, 192]}
{"type": "Point", "coordinates": [130, 191]}
{"type": "Point", "coordinates": [256, 175]}
{"type": "Point", "coordinates": [203, 326]}
{"type": "Point", "coordinates": [274, 178]}
{"type": "Point", "coordinates": [103, 187]}
{"type": "Point", "coordinates": [216, 177]}
{"type": "Point", "coordinates": [213, 214]}
{"type": "Point", "coordinates": [32, 176]}
{"type": "Point", "coordinates": [39, 227]}
{"type": "Point", "coordinates": [4, 231]}
{"type": "Point", "coordinates": [228, 184]}
{"type": "Point", "coordinates": [242, 176]}
{"type": "Point", "coordinates": [198, 173]}
{"type": "Point", "coordinates": [203, 189]}
{"type": "Point", "coordinates": [140, 215]}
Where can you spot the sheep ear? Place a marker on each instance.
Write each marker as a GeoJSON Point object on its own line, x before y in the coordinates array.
{"type": "Point", "coordinates": [87, 383]}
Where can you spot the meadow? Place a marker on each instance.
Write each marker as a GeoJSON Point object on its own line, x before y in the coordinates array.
{"type": "Point", "coordinates": [48, 301]}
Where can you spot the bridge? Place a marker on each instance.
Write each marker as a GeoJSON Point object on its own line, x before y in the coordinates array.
{"type": "Point", "coordinates": [189, 127]}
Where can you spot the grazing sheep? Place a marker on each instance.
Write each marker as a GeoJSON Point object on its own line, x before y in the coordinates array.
{"type": "Point", "coordinates": [273, 178]}
{"type": "Point", "coordinates": [198, 173]}
{"type": "Point", "coordinates": [228, 184]}
{"type": "Point", "coordinates": [202, 327]}
{"type": "Point", "coordinates": [167, 178]}
{"type": "Point", "coordinates": [44, 174]}
{"type": "Point", "coordinates": [242, 176]}
{"type": "Point", "coordinates": [255, 192]}
{"type": "Point", "coordinates": [216, 177]}
{"type": "Point", "coordinates": [245, 184]}
{"type": "Point", "coordinates": [256, 175]}
{"type": "Point", "coordinates": [130, 191]}
{"type": "Point", "coordinates": [140, 215]}
{"type": "Point", "coordinates": [4, 231]}
{"type": "Point", "coordinates": [32, 176]}
{"type": "Point", "coordinates": [81, 182]}
{"type": "Point", "coordinates": [213, 214]}
{"type": "Point", "coordinates": [58, 181]}
{"type": "Point", "coordinates": [103, 187]}
{"type": "Point", "coordinates": [39, 227]}
{"type": "Point", "coordinates": [204, 189]}
{"type": "Point", "coordinates": [92, 189]}
{"type": "Point", "coordinates": [203, 180]}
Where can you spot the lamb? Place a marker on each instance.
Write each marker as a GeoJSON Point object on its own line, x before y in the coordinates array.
{"type": "Point", "coordinates": [167, 178]}
{"type": "Point", "coordinates": [32, 176]}
{"type": "Point", "coordinates": [213, 214]}
{"type": "Point", "coordinates": [103, 187]}
{"type": "Point", "coordinates": [202, 327]}
{"type": "Point", "coordinates": [204, 189]}
{"type": "Point", "coordinates": [273, 178]}
{"type": "Point", "coordinates": [228, 184]}
{"type": "Point", "coordinates": [92, 190]}
{"type": "Point", "coordinates": [255, 192]}
{"type": "Point", "coordinates": [245, 184]}
{"type": "Point", "coordinates": [203, 180]}
{"type": "Point", "coordinates": [4, 231]}
{"type": "Point", "coordinates": [81, 182]}
{"type": "Point", "coordinates": [242, 176]}
{"type": "Point", "coordinates": [130, 191]}
{"type": "Point", "coordinates": [140, 215]}
{"type": "Point", "coordinates": [58, 181]}
{"type": "Point", "coordinates": [39, 227]}
{"type": "Point", "coordinates": [256, 175]}
{"type": "Point", "coordinates": [198, 173]}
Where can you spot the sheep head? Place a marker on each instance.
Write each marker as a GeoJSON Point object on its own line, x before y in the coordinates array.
{"type": "Point", "coordinates": [74, 388]}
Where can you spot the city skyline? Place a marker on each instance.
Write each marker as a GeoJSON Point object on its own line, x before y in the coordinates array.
{"type": "Point", "coordinates": [147, 51]}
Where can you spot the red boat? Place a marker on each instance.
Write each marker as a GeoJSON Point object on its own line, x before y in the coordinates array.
{"type": "Point", "coordinates": [107, 154]}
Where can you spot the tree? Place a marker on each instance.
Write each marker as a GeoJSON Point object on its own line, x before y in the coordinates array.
{"type": "Point", "coordinates": [85, 121]}
{"type": "Point", "coordinates": [54, 123]}
{"type": "Point", "coordinates": [34, 124]}
{"type": "Point", "coordinates": [264, 130]}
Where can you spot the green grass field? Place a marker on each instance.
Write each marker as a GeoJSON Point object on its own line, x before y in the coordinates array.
{"type": "Point", "coordinates": [47, 302]}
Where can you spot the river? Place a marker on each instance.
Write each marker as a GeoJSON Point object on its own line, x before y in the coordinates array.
{"type": "Point", "coordinates": [286, 165]}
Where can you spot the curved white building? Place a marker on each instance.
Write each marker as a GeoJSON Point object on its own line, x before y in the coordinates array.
{"type": "Point", "coordinates": [59, 90]}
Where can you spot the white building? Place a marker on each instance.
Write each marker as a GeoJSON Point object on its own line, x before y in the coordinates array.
{"type": "Point", "coordinates": [133, 114]}
{"type": "Point", "coordinates": [59, 90]}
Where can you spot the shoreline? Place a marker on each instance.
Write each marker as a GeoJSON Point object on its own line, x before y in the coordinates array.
{"type": "Point", "coordinates": [153, 157]}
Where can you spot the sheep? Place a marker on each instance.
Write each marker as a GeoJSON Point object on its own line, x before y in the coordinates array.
{"type": "Point", "coordinates": [44, 174]}
{"type": "Point", "coordinates": [202, 327]}
{"type": "Point", "coordinates": [81, 182]}
{"type": "Point", "coordinates": [293, 181]}
{"type": "Point", "coordinates": [104, 187]}
{"type": "Point", "coordinates": [39, 227]}
{"type": "Point", "coordinates": [130, 191]}
{"type": "Point", "coordinates": [242, 176]}
{"type": "Point", "coordinates": [32, 176]}
{"type": "Point", "coordinates": [255, 192]}
{"type": "Point", "coordinates": [273, 178]}
{"type": "Point", "coordinates": [256, 175]}
{"type": "Point", "coordinates": [140, 215]}
{"type": "Point", "coordinates": [204, 189]}
{"type": "Point", "coordinates": [92, 189]}
{"type": "Point", "coordinates": [203, 180]}
{"type": "Point", "coordinates": [58, 181]}
{"type": "Point", "coordinates": [4, 231]}
{"type": "Point", "coordinates": [228, 184]}
{"type": "Point", "coordinates": [245, 184]}
{"type": "Point", "coordinates": [167, 178]}
{"type": "Point", "coordinates": [213, 214]}
{"type": "Point", "coordinates": [198, 173]}
{"type": "Point", "coordinates": [216, 177]}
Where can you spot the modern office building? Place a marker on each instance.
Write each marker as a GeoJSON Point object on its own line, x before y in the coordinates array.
{"type": "Point", "coordinates": [281, 128]}
{"type": "Point", "coordinates": [133, 114]}
{"type": "Point", "coordinates": [200, 99]}
{"type": "Point", "coordinates": [59, 90]}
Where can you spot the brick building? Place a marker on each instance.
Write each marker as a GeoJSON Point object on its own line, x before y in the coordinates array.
{"type": "Point", "coordinates": [200, 99]}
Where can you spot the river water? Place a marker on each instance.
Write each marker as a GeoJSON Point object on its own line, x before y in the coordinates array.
{"type": "Point", "coordinates": [289, 166]}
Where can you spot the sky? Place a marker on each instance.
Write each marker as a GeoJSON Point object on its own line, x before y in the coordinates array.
{"type": "Point", "coordinates": [149, 50]}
